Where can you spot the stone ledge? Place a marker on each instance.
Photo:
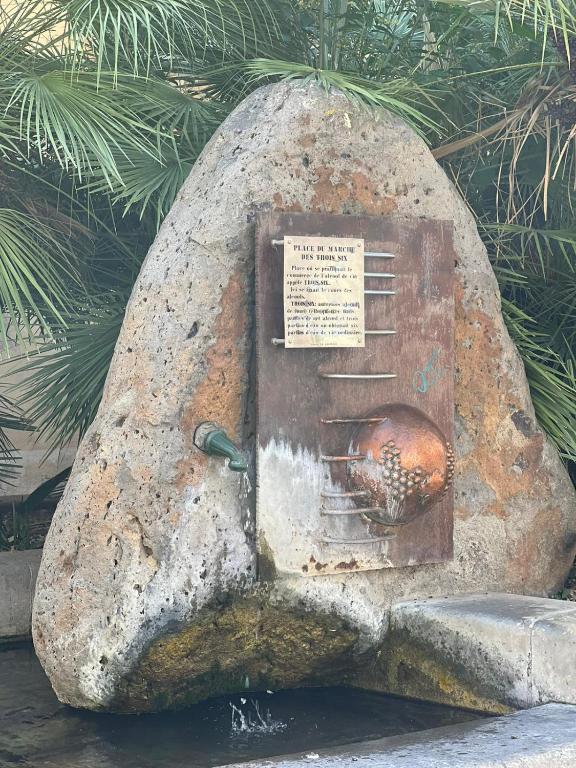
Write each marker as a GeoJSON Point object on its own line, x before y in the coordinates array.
{"type": "Point", "coordinates": [544, 737]}
{"type": "Point", "coordinates": [18, 572]}
{"type": "Point", "coordinates": [494, 652]}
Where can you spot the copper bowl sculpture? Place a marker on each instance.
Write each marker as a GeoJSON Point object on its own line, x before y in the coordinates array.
{"type": "Point", "coordinates": [409, 464]}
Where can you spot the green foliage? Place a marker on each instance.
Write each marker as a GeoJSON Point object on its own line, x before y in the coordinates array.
{"type": "Point", "coordinates": [35, 268]}
{"type": "Point", "coordinates": [399, 95]}
{"type": "Point", "coordinates": [10, 418]}
{"type": "Point", "coordinates": [71, 369]}
{"type": "Point", "coordinates": [106, 104]}
{"type": "Point", "coordinates": [17, 529]}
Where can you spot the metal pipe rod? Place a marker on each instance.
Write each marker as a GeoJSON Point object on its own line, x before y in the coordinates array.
{"type": "Point", "coordinates": [338, 512]}
{"type": "Point", "coordinates": [381, 293]}
{"type": "Point", "coordinates": [378, 274]}
{"type": "Point", "coordinates": [357, 511]}
{"type": "Point", "coordinates": [358, 375]}
{"type": "Point", "coordinates": [375, 540]}
{"type": "Point", "coordinates": [355, 457]}
{"type": "Point", "coordinates": [343, 494]}
{"type": "Point", "coordinates": [370, 420]}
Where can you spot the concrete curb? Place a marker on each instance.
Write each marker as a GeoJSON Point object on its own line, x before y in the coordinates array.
{"type": "Point", "coordinates": [544, 737]}
{"type": "Point", "coordinates": [492, 652]}
{"type": "Point", "coordinates": [18, 572]}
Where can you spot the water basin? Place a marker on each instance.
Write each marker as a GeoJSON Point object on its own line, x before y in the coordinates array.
{"type": "Point", "coordinates": [36, 731]}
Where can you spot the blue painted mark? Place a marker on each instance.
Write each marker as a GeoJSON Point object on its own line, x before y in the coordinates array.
{"type": "Point", "coordinates": [431, 374]}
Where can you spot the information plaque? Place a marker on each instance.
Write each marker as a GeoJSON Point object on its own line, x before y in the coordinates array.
{"type": "Point", "coordinates": [355, 458]}
{"type": "Point", "coordinates": [323, 292]}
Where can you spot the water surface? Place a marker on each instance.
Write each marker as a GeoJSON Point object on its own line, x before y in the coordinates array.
{"type": "Point", "coordinates": [36, 731]}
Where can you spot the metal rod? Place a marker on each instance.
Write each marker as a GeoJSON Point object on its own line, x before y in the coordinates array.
{"type": "Point", "coordinates": [358, 375]}
{"type": "Point", "coordinates": [357, 511]}
{"type": "Point", "coordinates": [370, 420]}
{"type": "Point", "coordinates": [339, 512]}
{"type": "Point", "coordinates": [381, 293]}
{"type": "Point", "coordinates": [375, 540]}
{"type": "Point", "coordinates": [378, 274]}
{"type": "Point", "coordinates": [343, 494]}
{"type": "Point", "coordinates": [355, 457]}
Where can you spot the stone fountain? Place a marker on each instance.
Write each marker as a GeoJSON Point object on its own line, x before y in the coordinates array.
{"type": "Point", "coordinates": [394, 458]}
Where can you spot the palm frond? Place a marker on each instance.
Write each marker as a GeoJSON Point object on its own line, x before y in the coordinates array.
{"type": "Point", "coordinates": [146, 181]}
{"type": "Point", "coordinates": [140, 34]}
{"type": "Point", "coordinates": [552, 380]}
{"type": "Point", "coordinates": [10, 419]}
{"type": "Point", "coordinates": [75, 121]}
{"type": "Point", "coordinates": [542, 244]}
{"type": "Point", "coordinates": [61, 383]}
{"type": "Point", "coordinates": [556, 17]}
{"type": "Point", "coordinates": [36, 271]}
{"type": "Point", "coordinates": [178, 106]}
{"type": "Point", "coordinates": [401, 96]}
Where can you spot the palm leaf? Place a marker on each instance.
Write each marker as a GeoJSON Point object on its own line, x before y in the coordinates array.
{"type": "Point", "coordinates": [62, 382]}
{"type": "Point", "coordinates": [74, 120]}
{"type": "Point", "coordinates": [552, 381]}
{"type": "Point", "coordinates": [147, 182]}
{"type": "Point", "coordinates": [557, 17]}
{"type": "Point", "coordinates": [10, 419]}
{"type": "Point", "coordinates": [400, 96]}
{"type": "Point", "coordinates": [36, 271]}
{"type": "Point", "coordinates": [139, 34]}
{"type": "Point", "coordinates": [542, 243]}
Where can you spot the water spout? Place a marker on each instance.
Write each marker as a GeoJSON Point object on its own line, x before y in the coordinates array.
{"type": "Point", "coordinates": [213, 440]}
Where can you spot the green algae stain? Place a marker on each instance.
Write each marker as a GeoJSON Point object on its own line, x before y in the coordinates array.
{"type": "Point", "coordinates": [406, 668]}
{"type": "Point", "coordinates": [248, 641]}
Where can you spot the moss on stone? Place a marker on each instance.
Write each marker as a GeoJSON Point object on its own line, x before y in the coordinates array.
{"type": "Point", "coordinates": [405, 668]}
{"type": "Point", "coordinates": [245, 644]}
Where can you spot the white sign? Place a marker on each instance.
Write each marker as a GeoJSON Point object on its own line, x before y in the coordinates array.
{"type": "Point", "coordinates": [323, 292]}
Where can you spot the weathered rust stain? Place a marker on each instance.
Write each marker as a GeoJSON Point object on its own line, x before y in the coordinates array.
{"type": "Point", "coordinates": [220, 395]}
{"type": "Point", "coordinates": [527, 552]}
{"type": "Point", "coordinates": [308, 140]}
{"type": "Point", "coordinates": [336, 189]}
{"type": "Point", "coordinates": [483, 399]}
{"type": "Point", "coordinates": [281, 205]}
{"type": "Point", "coordinates": [344, 566]}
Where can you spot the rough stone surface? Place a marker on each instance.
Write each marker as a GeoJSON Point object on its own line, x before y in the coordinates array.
{"type": "Point", "coordinates": [538, 738]}
{"type": "Point", "coordinates": [492, 652]}
{"type": "Point", "coordinates": [18, 572]}
{"type": "Point", "coordinates": [151, 533]}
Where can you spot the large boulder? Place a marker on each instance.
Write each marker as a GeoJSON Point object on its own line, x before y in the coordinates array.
{"type": "Point", "coordinates": [147, 595]}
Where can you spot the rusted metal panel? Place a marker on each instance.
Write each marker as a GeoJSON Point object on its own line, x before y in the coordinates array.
{"type": "Point", "coordinates": [319, 501]}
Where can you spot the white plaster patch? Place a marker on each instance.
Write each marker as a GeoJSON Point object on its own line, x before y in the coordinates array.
{"type": "Point", "coordinates": [290, 523]}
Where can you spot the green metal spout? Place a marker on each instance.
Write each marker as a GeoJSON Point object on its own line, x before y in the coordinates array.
{"type": "Point", "coordinates": [214, 441]}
